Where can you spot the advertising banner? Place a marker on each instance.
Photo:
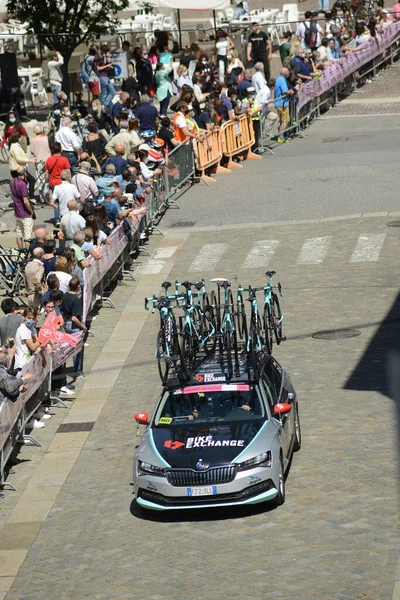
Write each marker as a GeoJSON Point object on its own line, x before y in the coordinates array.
{"type": "Point", "coordinates": [348, 65]}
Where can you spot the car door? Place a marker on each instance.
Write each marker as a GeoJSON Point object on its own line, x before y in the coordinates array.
{"type": "Point", "coordinates": [272, 380]}
{"type": "Point", "coordinates": [287, 397]}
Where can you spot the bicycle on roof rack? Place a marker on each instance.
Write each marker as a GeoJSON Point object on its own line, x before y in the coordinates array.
{"type": "Point", "coordinates": [215, 324]}
{"type": "Point", "coordinates": [196, 327]}
{"type": "Point", "coordinates": [168, 351]}
{"type": "Point", "coordinates": [224, 315]}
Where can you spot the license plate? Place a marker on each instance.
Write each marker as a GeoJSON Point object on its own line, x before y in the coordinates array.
{"type": "Point", "coordinates": [202, 491]}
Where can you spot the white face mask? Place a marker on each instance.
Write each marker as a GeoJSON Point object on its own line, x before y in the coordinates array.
{"type": "Point", "coordinates": [146, 160]}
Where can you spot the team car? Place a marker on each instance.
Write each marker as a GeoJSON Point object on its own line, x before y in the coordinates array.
{"type": "Point", "coordinates": [213, 441]}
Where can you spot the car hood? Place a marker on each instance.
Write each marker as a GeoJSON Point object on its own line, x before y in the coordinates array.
{"type": "Point", "coordinates": [214, 445]}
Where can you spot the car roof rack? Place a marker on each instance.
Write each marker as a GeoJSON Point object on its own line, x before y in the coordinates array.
{"type": "Point", "coordinates": [247, 367]}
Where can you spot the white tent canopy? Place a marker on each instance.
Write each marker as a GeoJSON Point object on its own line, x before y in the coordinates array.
{"type": "Point", "coordinates": [195, 4]}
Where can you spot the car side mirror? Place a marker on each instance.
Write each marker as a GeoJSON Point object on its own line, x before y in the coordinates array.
{"type": "Point", "coordinates": [142, 418]}
{"type": "Point", "coordinates": [282, 409]}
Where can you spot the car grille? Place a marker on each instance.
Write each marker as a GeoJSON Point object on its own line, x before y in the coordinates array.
{"type": "Point", "coordinates": [187, 477]}
{"type": "Point", "coordinates": [187, 501]}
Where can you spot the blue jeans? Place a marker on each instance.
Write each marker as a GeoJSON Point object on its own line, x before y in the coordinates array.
{"type": "Point", "coordinates": [323, 5]}
{"type": "Point", "coordinates": [54, 90]}
{"type": "Point", "coordinates": [78, 358]}
{"type": "Point", "coordinates": [57, 216]}
{"type": "Point", "coordinates": [73, 159]}
{"type": "Point", "coordinates": [164, 105]}
{"type": "Point", "coordinates": [107, 92]}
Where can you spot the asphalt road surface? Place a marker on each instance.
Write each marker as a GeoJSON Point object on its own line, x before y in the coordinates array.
{"type": "Point", "coordinates": [73, 530]}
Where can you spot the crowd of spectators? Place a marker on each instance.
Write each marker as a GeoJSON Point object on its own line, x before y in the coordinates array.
{"type": "Point", "coordinates": [95, 164]}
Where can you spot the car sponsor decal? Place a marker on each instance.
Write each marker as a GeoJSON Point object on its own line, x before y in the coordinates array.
{"type": "Point", "coordinates": [173, 445]}
{"type": "Point", "coordinates": [165, 421]}
{"type": "Point", "coordinates": [151, 486]}
{"type": "Point", "coordinates": [199, 378]}
{"type": "Point", "coordinates": [254, 479]}
{"type": "Point", "coordinates": [203, 441]}
{"type": "Point", "coordinates": [212, 377]}
{"type": "Point", "coordinates": [206, 441]}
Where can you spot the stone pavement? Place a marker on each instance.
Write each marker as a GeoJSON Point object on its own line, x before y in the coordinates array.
{"type": "Point", "coordinates": [73, 530]}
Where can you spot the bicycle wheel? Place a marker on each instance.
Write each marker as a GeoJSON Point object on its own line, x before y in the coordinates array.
{"type": "Point", "coordinates": [240, 318]}
{"type": "Point", "coordinates": [5, 193]}
{"type": "Point", "coordinates": [227, 342]}
{"type": "Point", "coordinates": [208, 330]}
{"type": "Point", "coordinates": [189, 349]}
{"type": "Point", "coordinates": [268, 329]}
{"type": "Point", "coordinates": [162, 359]}
{"type": "Point", "coordinates": [20, 292]}
{"type": "Point", "coordinates": [216, 309]}
{"type": "Point", "coordinates": [205, 301]}
{"type": "Point", "coordinates": [277, 319]}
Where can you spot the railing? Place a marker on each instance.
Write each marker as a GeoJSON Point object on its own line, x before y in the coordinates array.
{"type": "Point", "coordinates": [14, 414]}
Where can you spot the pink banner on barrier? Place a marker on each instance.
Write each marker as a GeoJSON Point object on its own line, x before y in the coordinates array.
{"type": "Point", "coordinates": [348, 65]}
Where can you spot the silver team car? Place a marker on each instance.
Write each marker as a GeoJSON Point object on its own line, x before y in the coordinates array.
{"type": "Point", "coordinates": [213, 442]}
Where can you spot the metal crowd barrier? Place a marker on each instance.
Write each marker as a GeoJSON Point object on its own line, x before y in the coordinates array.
{"type": "Point", "coordinates": [178, 172]}
{"type": "Point", "coordinates": [15, 414]}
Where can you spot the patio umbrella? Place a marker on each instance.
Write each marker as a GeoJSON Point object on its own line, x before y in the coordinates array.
{"type": "Point", "coordinates": [194, 5]}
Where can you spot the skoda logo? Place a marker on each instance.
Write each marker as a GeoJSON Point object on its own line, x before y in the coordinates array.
{"type": "Point", "coordinates": [200, 464]}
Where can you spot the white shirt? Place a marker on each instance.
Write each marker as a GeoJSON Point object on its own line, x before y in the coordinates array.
{"type": "Point", "coordinates": [258, 81]}
{"type": "Point", "coordinates": [64, 192]}
{"type": "Point", "coordinates": [68, 139]}
{"type": "Point", "coordinates": [71, 223]}
{"type": "Point", "coordinates": [147, 174]}
{"type": "Point", "coordinates": [22, 352]}
{"type": "Point", "coordinates": [301, 31]}
{"type": "Point", "coordinates": [264, 95]}
{"type": "Point", "coordinates": [222, 47]}
{"type": "Point", "coordinates": [63, 278]}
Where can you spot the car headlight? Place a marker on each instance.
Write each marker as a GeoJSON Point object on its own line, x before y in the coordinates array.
{"type": "Point", "coordinates": [145, 468]}
{"type": "Point", "coordinates": [262, 460]}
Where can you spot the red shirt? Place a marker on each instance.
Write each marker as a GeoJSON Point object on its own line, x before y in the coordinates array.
{"type": "Point", "coordinates": [54, 165]}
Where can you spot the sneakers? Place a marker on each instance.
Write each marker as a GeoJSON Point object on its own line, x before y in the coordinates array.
{"type": "Point", "coordinates": [57, 224]}
{"type": "Point", "coordinates": [281, 140]}
{"type": "Point", "coordinates": [66, 390]}
{"type": "Point", "coordinates": [42, 415]}
{"type": "Point", "coordinates": [80, 376]}
{"type": "Point", "coordinates": [34, 424]}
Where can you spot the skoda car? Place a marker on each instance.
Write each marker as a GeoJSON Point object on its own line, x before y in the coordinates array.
{"type": "Point", "coordinates": [213, 442]}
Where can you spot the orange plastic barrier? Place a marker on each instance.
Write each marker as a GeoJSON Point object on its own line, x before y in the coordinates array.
{"type": "Point", "coordinates": [208, 153]}
{"type": "Point", "coordinates": [237, 137]}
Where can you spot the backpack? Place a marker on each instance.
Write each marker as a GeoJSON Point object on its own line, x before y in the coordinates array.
{"type": "Point", "coordinates": [85, 73]}
{"type": "Point", "coordinates": [310, 35]}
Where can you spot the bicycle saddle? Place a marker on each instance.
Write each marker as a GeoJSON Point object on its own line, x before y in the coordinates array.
{"type": "Point", "coordinates": [187, 284]}
{"type": "Point", "coordinates": [199, 285]}
{"type": "Point", "coordinates": [226, 284]}
{"type": "Point", "coordinates": [166, 285]}
{"type": "Point", "coordinates": [270, 273]}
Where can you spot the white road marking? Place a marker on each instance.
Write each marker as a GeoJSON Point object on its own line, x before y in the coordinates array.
{"type": "Point", "coordinates": [166, 252]}
{"type": "Point", "coordinates": [368, 247]}
{"type": "Point", "coordinates": [260, 254]}
{"type": "Point", "coordinates": [208, 257]}
{"type": "Point", "coordinates": [152, 267]}
{"type": "Point", "coordinates": [314, 250]}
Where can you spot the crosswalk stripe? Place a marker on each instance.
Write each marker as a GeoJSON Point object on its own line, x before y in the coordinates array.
{"type": "Point", "coordinates": [368, 247]}
{"type": "Point", "coordinates": [314, 250]}
{"type": "Point", "coordinates": [152, 267]}
{"type": "Point", "coordinates": [260, 254]}
{"type": "Point", "coordinates": [166, 252]}
{"type": "Point", "coordinates": [208, 257]}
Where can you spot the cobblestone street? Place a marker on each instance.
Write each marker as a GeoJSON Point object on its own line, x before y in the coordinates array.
{"type": "Point", "coordinates": [335, 537]}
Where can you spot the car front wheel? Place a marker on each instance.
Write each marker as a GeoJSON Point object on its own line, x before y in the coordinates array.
{"type": "Point", "coordinates": [297, 431]}
{"type": "Point", "coordinates": [280, 498]}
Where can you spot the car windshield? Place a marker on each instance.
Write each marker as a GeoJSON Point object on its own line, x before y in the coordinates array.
{"type": "Point", "coordinates": [209, 404]}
